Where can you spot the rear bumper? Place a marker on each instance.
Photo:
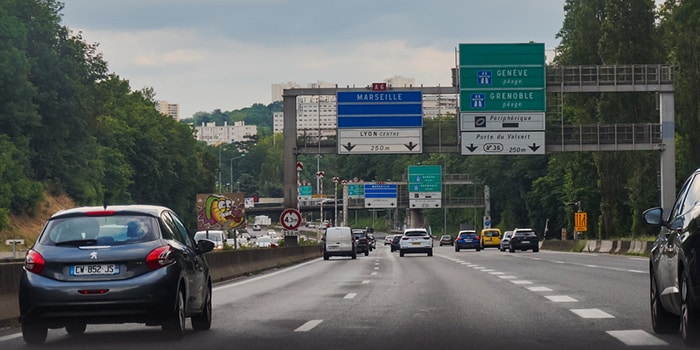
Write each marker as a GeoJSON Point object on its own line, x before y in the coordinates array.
{"type": "Point", "coordinates": [143, 299]}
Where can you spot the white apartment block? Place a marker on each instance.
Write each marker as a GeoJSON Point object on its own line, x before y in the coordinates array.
{"type": "Point", "coordinates": [169, 109]}
{"type": "Point", "coordinates": [214, 135]}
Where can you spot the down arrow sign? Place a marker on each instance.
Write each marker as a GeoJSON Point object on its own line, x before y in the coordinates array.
{"type": "Point", "coordinates": [411, 146]}
{"type": "Point", "coordinates": [349, 146]}
{"type": "Point", "coordinates": [534, 147]}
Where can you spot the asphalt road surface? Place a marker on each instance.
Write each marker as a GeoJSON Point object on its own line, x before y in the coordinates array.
{"type": "Point", "coordinates": [466, 300]}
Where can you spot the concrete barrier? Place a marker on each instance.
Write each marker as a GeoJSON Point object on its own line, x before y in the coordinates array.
{"type": "Point", "coordinates": [223, 265]}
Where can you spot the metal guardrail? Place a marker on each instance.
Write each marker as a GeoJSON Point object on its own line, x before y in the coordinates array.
{"type": "Point", "coordinates": [635, 77]}
{"type": "Point", "coordinates": [646, 136]}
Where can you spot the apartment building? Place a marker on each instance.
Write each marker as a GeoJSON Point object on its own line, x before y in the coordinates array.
{"type": "Point", "coordinates": [214, 134]}
{"type": "Point", "coordinates": [169, 109]}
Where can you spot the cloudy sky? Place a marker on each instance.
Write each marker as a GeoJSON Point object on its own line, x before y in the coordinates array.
{"type": "Point", "coordinates": [226, 54]}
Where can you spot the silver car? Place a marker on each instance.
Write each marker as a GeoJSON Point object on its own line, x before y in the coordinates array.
{"type": "Point", "coordinates": [120, 264]}
{"type": "Point", "coordinates": [505, 241]}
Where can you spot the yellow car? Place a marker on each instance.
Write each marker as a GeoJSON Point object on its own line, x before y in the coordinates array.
{"type": "Point", "coordinates": [490, 237]}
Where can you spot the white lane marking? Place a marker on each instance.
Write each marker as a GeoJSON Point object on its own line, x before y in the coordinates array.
{"type": "Point", "coordinates": [488, 270]}
{"type": "Point", "coordinates": [592, 313]}
{"type": "Point", "coordinates": [636, 337]}
{"type": "Point", "coordinates": [308, 326]}
{"type": "Point", "coordinates": [561, 298]}
{"type": "Point", "coordinates": [507, 277]}
{"type": "Point", "coordinates": [539, 289]}
{"type": "Point", "coordinates": [10, 337]}
{"type": "Point", "coordinates": [496, 273]}
{"type": "Point", "coordinates": [376, 264]}
{"type": "Point", "coordinates": [365, 282]}
{"type": "Point", "coordinates": [235, 284]}
{"type": "Point", "coordinates": [373, 273]}
{"type": "Point", "coordinates": [478, 267]}
{"type": "Point", "coordinates": [376, 268]}
{"type": "Point", "coordinates": [350, 295]}
{"type": "Point", "coordinates": [520, 282]}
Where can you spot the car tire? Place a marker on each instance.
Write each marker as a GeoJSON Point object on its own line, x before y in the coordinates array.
{"type": "Point", "coordinates": [511, 250]}
{"type": "Point", "coordinates": [430, 252]}
{"type": "Point", "coordinates": [456, 248]}
{"type": "Point", "coordinates": [400, 252]}
{"type": "Point", "coordinates": [34, 333]}
{"type": "Point", "coordinates": [325, 256]}
{"type": "Point", "coordinates": [202, 321]}
{"type": "Point", "coordinates": [662, 321]}
{"type": "Point", "coordinates": [689, 314]}
{"type": "Point", "coordinates": [535, 250]}
{"type": "Point", "coordinates": [76, 328]}
{"type": "Point", "coordinates": [174, 324]}
{"type": "Point", "coordinates": [366, 252]}
{"type": "Point", "coordinates": [354, 255]}
{"type": "Point", "coordinates": [478, 249]}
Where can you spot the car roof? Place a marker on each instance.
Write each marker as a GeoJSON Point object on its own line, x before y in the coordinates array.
{"type": "Point", "coordinates": [153, 210]}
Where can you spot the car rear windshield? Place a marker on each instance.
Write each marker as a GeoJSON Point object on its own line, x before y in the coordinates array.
{"type": "Point", "coordinates": [103, 230]}
{"type": "Point", "coordinates": [525, 233]}
{"type": "Point", "coordinates": [416, 233]}
{"type": "Point", "coordinates": [467, 234]}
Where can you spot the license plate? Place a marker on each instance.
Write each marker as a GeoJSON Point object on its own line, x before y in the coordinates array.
{"type": "Point", "coordinates": [468, 241]}
{"type": "Point", "coordinates": [332, 247]}
{"type": "Point", "coordinates": [525, 242]}
{"type": "Point", "coordinates": [94, 270]}
{"type": "Point", "coordinates": [416, 243]}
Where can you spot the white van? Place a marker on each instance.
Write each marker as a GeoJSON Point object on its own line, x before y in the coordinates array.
{"type": "Point", "coordinates": [216, 236]}
{"type": "Point", "coordinates": [338, 241]}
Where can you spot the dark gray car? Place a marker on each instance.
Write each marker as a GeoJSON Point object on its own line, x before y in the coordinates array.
{"type": "Point", "coordinates": [120, 264]}
{"type": "Point", "coordinates": [674, 265]}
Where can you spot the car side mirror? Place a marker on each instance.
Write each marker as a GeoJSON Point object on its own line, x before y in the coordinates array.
{"type": "Point", "coordinates": [653, 216]}
{"type": "Point", "coordinates": [205, 245]}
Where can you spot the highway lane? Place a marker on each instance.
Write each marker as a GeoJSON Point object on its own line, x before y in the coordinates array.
{"type": "Point", "coordinates": [476, 300]}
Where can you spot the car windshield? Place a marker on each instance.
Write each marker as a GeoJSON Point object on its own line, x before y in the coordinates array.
{"type": "Point", "coordinates": [524, 233]}
{"type": "Point", "coordinates": [105, 230]}
{"type": "Point", "coordinates": [466, 235]}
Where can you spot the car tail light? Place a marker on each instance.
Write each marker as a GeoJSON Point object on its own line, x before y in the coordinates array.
{"type": "Point", "coordinates": [478, 238]}
{"type": "Point", "coordinates": [404, 238]}
{"type": "Point", "coordinates": [159, 257]}
{"type": "Point", "coordinates": [426, 237]}
{"type": "Point", "coordinates": [34, 262]}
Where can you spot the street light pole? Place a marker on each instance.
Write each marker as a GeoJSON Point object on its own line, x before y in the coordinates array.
{"type": "Point", "coordinates": [231, 175]}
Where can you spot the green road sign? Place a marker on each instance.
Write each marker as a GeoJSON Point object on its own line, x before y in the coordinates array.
{"type": "Point", "coordinates": [424, 178]}
{"type": "Point", "coordinates": [502, 77]}
{"type": "Point", "coordinates": [502, 100]}
{"type": "Point", "coordinates": [501, 54]}
{"type": "Point", "coordinates": [356, 190]}
{"type": "Point", "coordinates": [305, 191]}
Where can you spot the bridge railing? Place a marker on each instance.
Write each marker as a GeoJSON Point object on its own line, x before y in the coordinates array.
{"type": "Point", "coordinates": [604, 134]}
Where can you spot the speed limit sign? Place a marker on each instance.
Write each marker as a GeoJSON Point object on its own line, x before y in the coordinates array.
{"type": "Point", "coordinates": [290, 219]}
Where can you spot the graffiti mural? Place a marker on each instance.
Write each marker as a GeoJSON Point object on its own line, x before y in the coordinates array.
{"type": "Point", "coordinates": [220, 211]}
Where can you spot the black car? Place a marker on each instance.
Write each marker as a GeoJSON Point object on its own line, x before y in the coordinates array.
{"type": "Point", "coordinates": [523, 239]}
{"type": "Point", "coordinates": [120, 264]}
{"type": "Point", "coordinates": [361, 241]}
{"type": "Point", "coordinates": [467, 239]}
{"type": "Point", "coordinates": [674, 266]}
{"type": "Point", "coordinates": [395, 242]}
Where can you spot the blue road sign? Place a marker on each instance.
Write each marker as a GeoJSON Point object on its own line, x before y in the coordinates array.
{"type": "Point", "coordinates": [386, 109]}
{"type": "Point", "coordinates": [380, 191]}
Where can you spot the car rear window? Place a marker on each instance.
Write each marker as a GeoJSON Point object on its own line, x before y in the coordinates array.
{"type": "Point", "coordinates": [524, 233]}
{"type": "Point", "coordinates": [105, 230]}
{"type": "Point", "coordinates": [415, 233]}
{"type": "Point", "coordinates": [466, 235]}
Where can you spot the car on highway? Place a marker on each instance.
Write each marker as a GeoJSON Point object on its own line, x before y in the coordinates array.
{"type": "Point", "coordinates": [338, 241]}
{"type": "Point", "coordinates": [467, 239]}
{"type": "Point", "coordinates": [490, 237]}
{"type": "Point", "coordinates": [219, 237]}
{"type": "Point", "coordinates": [673, 265]}
{"type": "Point", "coordinates": [523, 239]}
{"type": "Point", "coordinates": [415, 240]}
{"type": "Point", "coordinates": [361, 241]}
{"type": "Point", "coordinates": [387, 239]}
{"type": "Point", "coordinates": [115, 264]}
{"type": "Point", "coordinates": [395, 242]}
{"type": "Point", "coordinates": [505, 241]}
{"type": "Point", "coordinates": [446, 240]}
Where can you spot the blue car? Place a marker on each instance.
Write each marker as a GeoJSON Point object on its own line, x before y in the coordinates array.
{"type": "Point", "coordinates": [467, 239]}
